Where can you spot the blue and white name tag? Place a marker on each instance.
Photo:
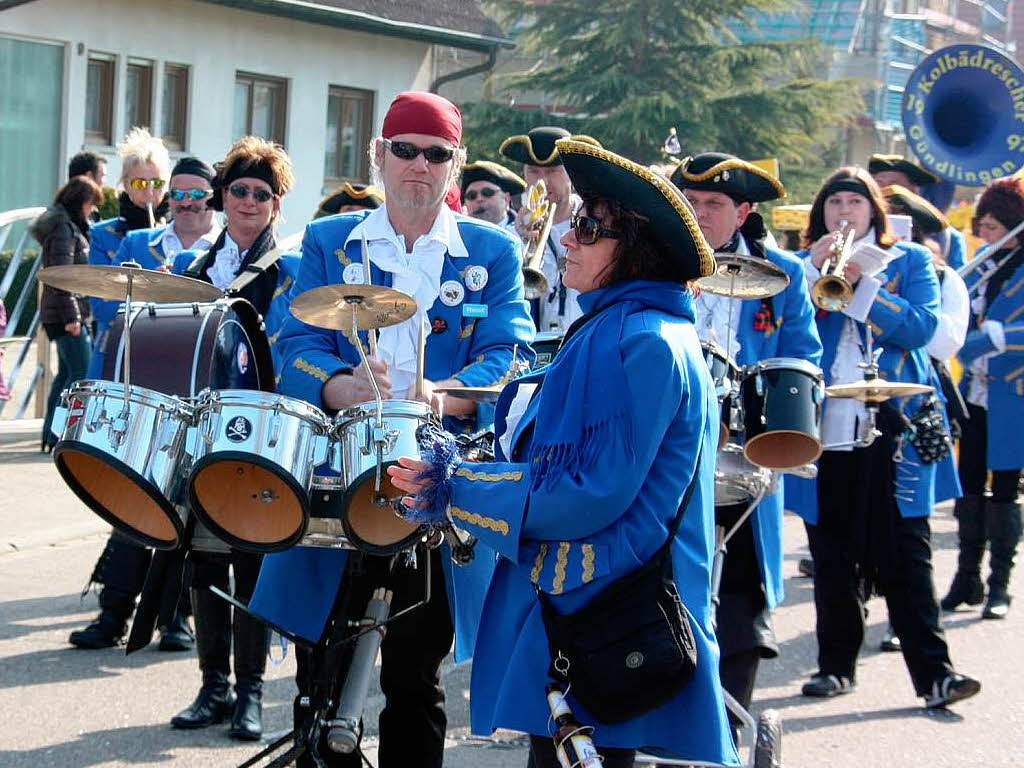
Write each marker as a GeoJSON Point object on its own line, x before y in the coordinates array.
{"type": "Point", "coordinates": [474, 310]}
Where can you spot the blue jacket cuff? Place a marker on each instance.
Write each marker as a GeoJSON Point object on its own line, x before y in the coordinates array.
{"type": "Point", "coordinates": [489, 500]}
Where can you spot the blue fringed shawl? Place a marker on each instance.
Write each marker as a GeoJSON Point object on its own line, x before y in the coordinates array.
{"type": "Point", "coordinates": [583, 408]}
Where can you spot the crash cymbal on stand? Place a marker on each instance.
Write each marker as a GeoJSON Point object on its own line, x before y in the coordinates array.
{"type": "Point", "coordinates": [330, 306]}
{"type": "Point", "coordinates": [109, 282]}
{"type": "Point", "coordinates": [744, 277]}
{"type": "Point", "coordinates": [876, 390]}
{"type": "Point", "coordinates": [477, 394]}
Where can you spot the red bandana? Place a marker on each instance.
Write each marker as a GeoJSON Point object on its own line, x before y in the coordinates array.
{"type": "Point", "coordinates": [425, 113]}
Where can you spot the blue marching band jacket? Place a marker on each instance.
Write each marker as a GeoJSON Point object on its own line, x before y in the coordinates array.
{"type": "Point", "coordinates": [109, 245]}
{"type": "Point", "coordinates": [903, 319]}
{"type": "Point", "coordinates": [793, 333]}
{"type": "Point", "coordinates": [1005, 449]}
{"type": "Point", "coordinates": [472, 340]}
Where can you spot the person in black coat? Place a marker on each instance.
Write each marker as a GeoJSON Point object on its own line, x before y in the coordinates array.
{"type": "Point", "coordinates": [61, 230]}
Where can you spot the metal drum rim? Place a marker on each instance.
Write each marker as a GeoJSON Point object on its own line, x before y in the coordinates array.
{"type": "Point", "coordinates": [138, 394]}
{"type": "Point", "coordinates": [783, 364]}
{"type": "Point", "coordinates": [360, 411]}
{"type": "Point", "coordinates": [265, 401]}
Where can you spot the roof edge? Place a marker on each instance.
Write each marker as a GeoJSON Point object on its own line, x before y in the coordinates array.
{"type": "Point", "coordinates": [316, 13]}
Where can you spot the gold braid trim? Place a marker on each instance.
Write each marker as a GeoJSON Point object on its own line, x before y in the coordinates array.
{"type": "Point", "coordinates": [466, 332]}
{"type": "Point", "coordinates": [562, 559]}
{"type": "Point", "coordinates": [528, 143]}
{"type": "Point", "coordinates": [588, 563]}
{"type": "Point", "coordinates": [498, 526]}
{"type": "Point", "coordinates": [669, 190]}
{"type": "Point", "coordinates": [729, 165]}
{"type": "Point", "coordinates": [155, 253]}
{"type": "Point", "coordinates": [488, 477]}
{"type": "Point", "coordinates": [1014, 373]}
{"type": "Point", "coordinates": [273, 339]}
{"type": "Point", "coordinates": [1014, 288]}
{"type": "Point", "coordinates": [284, 286]}
{"type": "Point", "coordinates": [1014, 315]}
{"type": "Point", "coordinates": [890, 304]}
{"type": "Point", "coordinates": [312, 370]}
{"type": "Point", "coordinates": [343, 257]}
{"type": "Point", "coordinates": [538, 563]}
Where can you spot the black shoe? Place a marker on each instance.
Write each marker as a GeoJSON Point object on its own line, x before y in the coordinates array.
{"type": "Point", "coordinates": [177, 636]}
{"type": "Point", "coordinates": [247, 721]}
{"type": "Point", "coordinates": [211, 706]}
{"type": "Point", "coordinates": [105, 632]}
{"type": "Point", "coordinates": [827, 686]}
{"type": "Point", "coordinates": [998, 605]}
{"type": "Point", "coordinates": [890, 641]}
{"type": "Point", "coordinates": [951, 689]}
{"type": "Point", "coordinates": [964, 590]}
{"type": "Point", "coordinates": [806, 567]}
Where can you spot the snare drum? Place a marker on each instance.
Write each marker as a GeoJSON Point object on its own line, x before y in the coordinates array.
{"type": "Point", "coordinates": [369, 520]}
{"type": "Point", "coordinates": [782, 399]}
{"type": "Point", "coordinates": [737, 481]}
{"type": "Point", "coordinates": [253, 466]}
{"type": "Point", "coordinates": [725, 375]}
{"type": "Point", "coordinates": [124, 463]}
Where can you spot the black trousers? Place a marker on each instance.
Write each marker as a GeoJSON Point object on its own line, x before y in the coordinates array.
{"type": "Point", "coordinates": [973, 465]}
{"type": "Point", "coordinates": [413, 722]}
{"type": "Point", "coordinates": [542, 755]}
{"type": "Point", "coordinates": [860, 541]}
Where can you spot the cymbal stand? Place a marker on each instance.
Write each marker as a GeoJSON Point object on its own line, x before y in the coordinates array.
{"type": "Point", "coordinates": [119, 426]}
{"type": "Point", "coordinates": [378, 438]}
{"type": "Point", "coordinates": [869, 430]}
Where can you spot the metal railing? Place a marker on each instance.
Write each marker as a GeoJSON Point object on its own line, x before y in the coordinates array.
{"type": "Point", "coordinates": [16, 309]}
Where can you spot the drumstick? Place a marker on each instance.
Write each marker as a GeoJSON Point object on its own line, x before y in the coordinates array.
{"type": "Point", "coordinates": [421, 345]}
{"type": "Point", "coordinates": [371, 334]}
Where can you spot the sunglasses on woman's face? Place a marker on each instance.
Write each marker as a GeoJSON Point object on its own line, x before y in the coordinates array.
{"type": "Point", "coordinates": [405, 150]}
{"type": "Point", "coordinates": [143, 183]}
{"type": "Point", "coordinates": [241, 192]}
{"type": "Point", "coordinates": [485, 192]}
{"type": "Point", "coordinates": [192, 194]}
{"type": "Point", "coordinates": [588, 230]}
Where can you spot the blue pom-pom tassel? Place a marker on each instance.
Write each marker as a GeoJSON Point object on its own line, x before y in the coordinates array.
{"type": "Point", "coordinates": [439, 449]}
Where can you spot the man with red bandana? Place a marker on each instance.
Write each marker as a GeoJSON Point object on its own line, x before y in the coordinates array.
{"type": "Point", "coordinates": [466, 278]}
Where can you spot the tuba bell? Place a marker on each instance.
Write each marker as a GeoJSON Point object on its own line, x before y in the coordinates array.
{"type": "Point", "coordinates": [540, 216]}
{"type": "Point", "coordinates": [832, 292]}
{"type": "Point", "coordinates": [962, 108]}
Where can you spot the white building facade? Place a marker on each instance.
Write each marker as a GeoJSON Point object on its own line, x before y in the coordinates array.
{"type": "Point", "coordinates": [316, 77]}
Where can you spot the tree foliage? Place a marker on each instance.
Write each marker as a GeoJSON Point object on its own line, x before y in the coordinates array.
{"type": "Point", "coordinates": [625, 71]}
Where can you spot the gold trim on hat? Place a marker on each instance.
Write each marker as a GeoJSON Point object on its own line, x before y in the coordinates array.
{"type": "Point", "coordinates": [489, 165]}
{"type": "Point", "coordinates": [728, 165]}
{"type": "Point", "coordinates": [899, 191]}
{"type": "Point", "coordinates": [355, 194]}
{"type": "Point", "coordinates": [528, 142]}
{"type": "Point", "coordinates": [669, 190]}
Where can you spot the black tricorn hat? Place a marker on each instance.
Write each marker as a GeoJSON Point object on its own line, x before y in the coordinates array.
{"type": "Point", "coordinates": [348, 193]}
{"type": "Point", "coordinates": [900, 164]}
{"type": "Point", "coordinates": [537, 147]}
{"type": "Point", "coordinates": [719, 172]}
{"type": "Point", "coordinates": [499, 175]}
{"type": "Point", "coordinates": [926, 216]}
{"type": "Point", "coordinates": [596, 172]}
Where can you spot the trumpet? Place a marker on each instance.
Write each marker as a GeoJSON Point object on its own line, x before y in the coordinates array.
{"type": "Point", "coordinates": [541, 215]}
{"type": "Point", "coordinates": [832, 292]}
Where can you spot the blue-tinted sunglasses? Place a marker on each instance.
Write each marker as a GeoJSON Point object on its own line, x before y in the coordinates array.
{"type": "Point", "coordinates": [192, 194]}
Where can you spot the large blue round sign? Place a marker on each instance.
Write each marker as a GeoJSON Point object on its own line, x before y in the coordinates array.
{"type": "Point", "coordinates": [963, 114]}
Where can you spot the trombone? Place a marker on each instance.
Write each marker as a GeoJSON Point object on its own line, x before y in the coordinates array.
{"type": "Point", "coordinates": [541, 216]}
{"type": "Point", "coordinates": [977, 262]}
{"type": "Point", "coordinates": [832, 292]}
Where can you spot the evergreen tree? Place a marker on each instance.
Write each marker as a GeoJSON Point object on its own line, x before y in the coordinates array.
{"type": "Point", "coordinates": [628, 70]}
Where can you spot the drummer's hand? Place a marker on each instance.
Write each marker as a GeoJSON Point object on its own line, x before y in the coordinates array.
{"type": "Point", "coordinates": [163, 268]}
{"type": "Point", "coordinates": [431, 397]}
{"type": "Point", "coordinates": [823, 248]}
{"type": "Point", "coordinates": [343, 390]}
{"type": "Point", "coordinates": [405, 478]}
{"type": "Point", "coordinates": [75, 329]}
{"type": "Point", "coordinates": [454, 406]}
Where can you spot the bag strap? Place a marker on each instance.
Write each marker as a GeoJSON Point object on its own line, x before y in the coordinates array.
{"type": "Point", "coordinates": [254, 270]}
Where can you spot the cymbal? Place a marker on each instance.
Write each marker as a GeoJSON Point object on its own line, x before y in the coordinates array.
{"type": "Point", "coordinates": [330, 306]}
{"type": "Point", "coordinates": [876, 390]}
{"type": "Point", "coordinates": [110, 282]}
{"type": "Point", "coordinates": [744, 277]}
{"type": "Point", "coordinates": [477, 394]}
{"type": "Point", "coordinates": [8, 340]}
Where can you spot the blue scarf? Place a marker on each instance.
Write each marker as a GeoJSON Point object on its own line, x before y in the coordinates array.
{"type": "Point", "coordinates": [583, 405]}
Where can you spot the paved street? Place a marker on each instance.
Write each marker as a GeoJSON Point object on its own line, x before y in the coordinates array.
{"type": "Point", "coordinates": [64, 707]}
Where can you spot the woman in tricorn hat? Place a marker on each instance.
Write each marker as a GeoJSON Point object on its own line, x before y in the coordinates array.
{"type": "Point", "coordinates": [594, 457]}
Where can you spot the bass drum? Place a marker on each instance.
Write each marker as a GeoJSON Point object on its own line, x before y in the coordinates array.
{"type": "Point", "coordinates": [182, 349]}
{"type": "Point", "coordinates": [126, 469]}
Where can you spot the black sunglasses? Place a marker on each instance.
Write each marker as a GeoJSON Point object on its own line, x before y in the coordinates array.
{"type": "Point", "coordinates": [405, 150]}
{"type": "Point", "coordinates": [588, 230]}
{"type": "Point", "coordinates": [191, 194]}
{"type": "Point", "coordinates": [241, 192]}
{"type": "Point", "coordinates": [485, 192]}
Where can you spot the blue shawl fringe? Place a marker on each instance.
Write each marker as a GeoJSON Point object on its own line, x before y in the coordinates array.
{"type": "Point", "coordinates": [440, 450]}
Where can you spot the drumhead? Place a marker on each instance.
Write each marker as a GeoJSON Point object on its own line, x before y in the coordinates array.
{"type": "Point", "coordinates": [266, 401]}
{"type": "Point", "coordinates": [409, 408]}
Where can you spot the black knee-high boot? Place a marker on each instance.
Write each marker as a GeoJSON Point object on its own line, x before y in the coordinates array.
{"type": "Point", "coordinates": [1004, 530]}
{"type": "Point", "coordinates": [215, 700]}
{"type": "Point", "coordinates": [252, 640]}
{"type": "Point", "coordinates": [970, 512]}
{"type": "Point", "coordinates": [121, 569]}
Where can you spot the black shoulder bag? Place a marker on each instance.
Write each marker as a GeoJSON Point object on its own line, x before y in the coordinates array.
{"type": "Point", "coordinates": [631, 648]}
